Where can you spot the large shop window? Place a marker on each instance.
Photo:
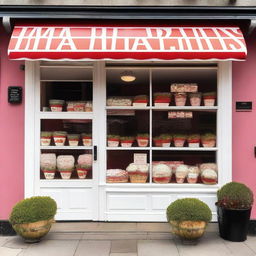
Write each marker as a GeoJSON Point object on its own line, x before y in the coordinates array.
{"type": "Point", "coordinates": [162, 127]}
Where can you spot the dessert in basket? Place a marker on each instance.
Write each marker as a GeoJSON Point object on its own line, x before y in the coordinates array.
{"type": "Point", "coordinates": [116, 176]}
{"type": "Point", "coordinates": [161, 173]}
{"type": "Point", "coordinates": [209, 98]}
{"type": "Point", "coordinates": [180, 98]}
{"type": "Point", "coordinates": [65, 165]}
{"type": "Point", "coordinates": [181, 173]}
{"type": "Point", "coordinates": [195, 98]}
{"type": "Point", "coordinates": [162, 99]}
{"type": "Point", "coordinates": [209, 177]}
{"type": "Point", "coordinates": [194, 140]}
{"type": "Point", "coordinates": [193, 173]}
{"type": "Point", "coordinates": [166, 140]}
{"type": "Point", "coordinates": [142, 139]}
{"type": "Point", "coordinates": [138, 173]}
{"type": "Point", "coordinates": [87, 139]}
{"type": "Point", "coordinates": [126, 141]}
{"type": "Point", "coordinates": [113, 140]}
{"type": "Point", "coordinates": [59, 138]}
{"type": "Point", "coordinates": [140, 101]}
{"type": "Point", "coordinates": [179, 140]}
{"type": "Point", "coordinates": [208, 140]}
{"type": "Point", "coordinates": [46, 138]}
{"type": "Point", "coordinates": [48, 165]}
{"type": "Point", "coordinates": [73, 139]}
{"type": "Point", "coordinates": [56, 105]}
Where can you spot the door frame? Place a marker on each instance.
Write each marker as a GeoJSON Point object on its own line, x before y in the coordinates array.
{"type": "Point", "coordinates": [32, 182]}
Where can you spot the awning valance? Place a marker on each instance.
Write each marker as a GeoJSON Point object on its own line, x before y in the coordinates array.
{"type": "Point", "coordinates": [81, 42]}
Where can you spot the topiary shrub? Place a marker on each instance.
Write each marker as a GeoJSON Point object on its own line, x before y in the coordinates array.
{"type": "Point", "coordinates": [188, 209]}
{"type": "Point", "coordinates": [235, 195]}
{"type": "Point", "coordinates": [33, 209]}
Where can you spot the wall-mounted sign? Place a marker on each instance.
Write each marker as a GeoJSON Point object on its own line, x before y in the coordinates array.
{"type": "Point", "coordinates": [243, 106]}
{"type": "Point", "coordinates": [14, 94]}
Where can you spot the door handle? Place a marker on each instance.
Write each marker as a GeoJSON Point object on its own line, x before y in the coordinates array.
{"type": "Point", "coordinates": [95, 153]}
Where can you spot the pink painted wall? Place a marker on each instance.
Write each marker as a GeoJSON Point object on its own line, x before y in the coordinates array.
{"type": "Point", "coordinates": [244, 123]}
{"type": "Point", "coordinates": [12, 127]}
{"type": "Point", "coordinates": [11, 133]}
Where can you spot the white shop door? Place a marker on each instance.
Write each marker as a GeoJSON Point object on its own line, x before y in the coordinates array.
{"type": "Point", "coordinates": [76, 84]}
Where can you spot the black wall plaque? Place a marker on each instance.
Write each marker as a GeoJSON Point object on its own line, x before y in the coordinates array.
{"type": "Point", "coordinates": [243, 106]}
{"type": "Point", "coordinates": [14, 94]}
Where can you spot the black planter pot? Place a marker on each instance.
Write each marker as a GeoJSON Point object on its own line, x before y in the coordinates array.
{"type": "Point", "coordinates": [233, 224]}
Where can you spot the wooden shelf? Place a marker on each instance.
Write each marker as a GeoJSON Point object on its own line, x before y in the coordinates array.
{"type": "Point", "coordinates": [66, 115]}
{"type": "Point", "coordinates": [61, 80]}
{"type": "Point", "coordinates": [199, 108]}
{"type": "Point", "coordinates": [164, 148]}
{"type": "Point", "coordinates": [184, 149]}
{"type": "Point", "coordinates": [130, 148]}
{"type": "Point", "coordinates": [65, 147]}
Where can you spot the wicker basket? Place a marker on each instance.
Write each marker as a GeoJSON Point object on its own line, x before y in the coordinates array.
{"type": "Point", "coordinates": [161, 180]}
{"type": "Point", "coordinates": [117, 180]}
{"type": "Point", "coordinates": [138, 177]}
{"type": "Point", "coordinates": [188, 230]}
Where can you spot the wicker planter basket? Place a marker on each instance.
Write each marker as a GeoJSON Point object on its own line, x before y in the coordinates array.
{"type": "Point", "coordinates": [188, 230]}
{"type": "Point", "coordinates": [33, 232]}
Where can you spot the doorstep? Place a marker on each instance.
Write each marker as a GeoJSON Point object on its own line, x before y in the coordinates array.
{"type": "Point", "coordinates": [116, 230]}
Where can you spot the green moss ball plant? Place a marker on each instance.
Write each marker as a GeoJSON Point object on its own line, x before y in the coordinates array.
{"type": "Point", "coordinates": [234, 206]}
{"type": "Point", "coordinates": [31, 218]}
{"type": "Point", "coordinates": [191, 209]}
{"type": "Point", "coordinates": [188, 218]}
{"type": "Point", "coordinates": [235, 195]}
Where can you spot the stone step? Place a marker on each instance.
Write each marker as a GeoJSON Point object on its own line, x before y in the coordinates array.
{"type": "Point", "coordinates": [96, 229]}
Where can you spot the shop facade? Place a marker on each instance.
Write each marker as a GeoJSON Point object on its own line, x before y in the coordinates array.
{"type": "Point", "coordinates": [98, 102]}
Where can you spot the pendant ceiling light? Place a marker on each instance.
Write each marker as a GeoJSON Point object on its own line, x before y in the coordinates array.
{"type": "Point", "coordinates": [128, 76]}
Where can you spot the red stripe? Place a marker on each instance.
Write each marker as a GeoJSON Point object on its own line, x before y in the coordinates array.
{"type": "Point", "coordinates": [128, 55]}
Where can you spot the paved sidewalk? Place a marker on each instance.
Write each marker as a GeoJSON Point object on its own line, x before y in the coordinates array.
{"type": "Point", "coordinates": [124, 244]}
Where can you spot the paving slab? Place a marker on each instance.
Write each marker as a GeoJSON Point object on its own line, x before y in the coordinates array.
{"type": "Point", "coordinates": [115, 236]}
{"type": "Point", "coordinates": [160, 236]}
{"type": "Point", "coordinates": [9, 251]}
{"type": "Point", "coordinates": [16, 242]}
{"type": "Point", "coordinates": [210, 244]}
{"type": "Point", "coordinates": [75, 227]}
{"type": "Point", "coordinates": [123, 254]}
{"type": "Point", "coordinates": [52, 248]}
{"type": "Point", "coordinates": [118, 226]}
{"type": "Point", "coordinates": [239, 248]}
{"type": "Point", "coordinates": [4, 239]}
{"type": "Point", "coordinates": [251, 243]}
{"type": "Point", "coordinates": [159, 247]}
{"type": "Point", "coordinates": [124, 246]}
{"type": "Point", "coordinates": [93, 248]}
{"type": "Point", "coordinates": [154, 227]}
{"type": "Point", "coordinates": [63, 236]}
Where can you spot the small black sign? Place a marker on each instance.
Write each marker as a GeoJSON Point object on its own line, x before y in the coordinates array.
{"type": "Point", "coordinates": [14, 94]}
{"type": "Point", "coordinates": [243, 106]}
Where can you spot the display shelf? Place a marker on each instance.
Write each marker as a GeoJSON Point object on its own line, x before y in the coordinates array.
{"type": "Point", "coordinates": [127, 108]}
{"type": "Point", "coordinates": [66, 115]}
{"type": "Point", "coordinates": [184, 149]}
{"type": "Point", "coordinates": [130, 148]}
{"type": "Point", "coordinates": [66, 183]}
{"type": "Point", "coordinates": [164, 148]}
{"type": "Point", "coordinates": [65, 147]}
{"type": "Point", "coordinates": [199, 108]}
{"type": "Point", "coordinates": [155, 185]}
{"type": "Point", "coordinates": [66, 80]}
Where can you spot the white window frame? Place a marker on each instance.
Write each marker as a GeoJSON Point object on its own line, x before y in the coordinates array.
{"type": "Point", "coordinates": [32, 129]}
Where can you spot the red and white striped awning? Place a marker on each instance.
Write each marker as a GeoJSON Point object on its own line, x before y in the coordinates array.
{"type": "Point", "coordinates": [81, 42]}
